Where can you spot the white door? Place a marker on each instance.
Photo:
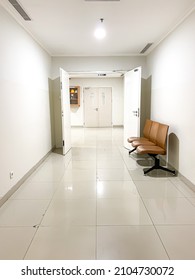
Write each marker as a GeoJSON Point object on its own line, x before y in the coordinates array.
{"type": "Point", "coordinates": [65, 111]}
{"type": "Point", "coordinates": [105, 107]}
{"type": "Point", "coordinates": [97, 107]}
{"type": "Point", "coordinates": [132, 101]}
{"type": "Point", "coordinates": [90, 107]}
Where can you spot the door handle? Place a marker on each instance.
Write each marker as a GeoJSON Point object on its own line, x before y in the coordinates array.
{"type": "Point", "coordinates": [136, 113]}
{"type": "Point", "coordinates": [96, 109]}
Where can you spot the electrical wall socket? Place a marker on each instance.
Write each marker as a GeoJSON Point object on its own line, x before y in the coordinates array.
{"type": "Point", "coordinates": [11, 174]}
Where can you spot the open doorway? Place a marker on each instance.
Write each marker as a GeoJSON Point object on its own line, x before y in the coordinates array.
{"type": "Point", "coordinates": [60, 113]}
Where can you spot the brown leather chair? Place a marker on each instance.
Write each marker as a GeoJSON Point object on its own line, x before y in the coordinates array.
{"type": "Point", "coordinates": [146, 133]}
{"type": "Point", "coordinates": [158, 149]}
{"type": "Point", "coordinates": [151, 141]}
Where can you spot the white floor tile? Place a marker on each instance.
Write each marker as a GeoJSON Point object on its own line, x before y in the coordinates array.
{"type": "Point", "coordinates": [84, 153]}
{"type": "Point", "coordinates": [192, 200]}
{"type": "Point", "coordinates": [108, 154]}
{"type": "Point", "coordinates": [15, 241]}
{"type": "Point", "coordinates": [22, 212]}
{"type": "Point", "coordinates": [129, 211]}
{"type": "Point", "coordinates": [96, 203]}
{"type": "Point", "coordinates": [64, 243]}
{"type": "Point", "coordinates": [181, 186]}
{"type": "Point", "coordinates": [116, 189]}
{"type": "Point", "coordinates": [70, 212]}
{"type": "Point", "coordinates": [111, 164]}
{"type": "Point", "coordinates": [58, 160]}
{"type": "Point", "coordinates": [129, 243]}
{"type": "Point", "coordinates": [47, 172]}
{"type": "Point", "coordinates": [130, 163]}
{"type": "Point", "coordinates": [78, 175]}
{"type": "Point", "coordinates": [36, 190]}
{"type": "Point", "coordinates": [76, 190]}
{"type": "Point", "coordinates": [157, 188]}
{"type": "Point", "coordinates": [137, 174]}
{"type": "Point", "coordinates": [179, 241]}
{"type": "Point", "coordinates": [164, 211]}
{"type": "Point", "coordinates": [113, 174]}
{"type": "Point", "coordinates": [82, 164]}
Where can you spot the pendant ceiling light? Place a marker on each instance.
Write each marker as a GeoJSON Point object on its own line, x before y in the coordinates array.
{"type": "Point", "coordinates": [100, 31]}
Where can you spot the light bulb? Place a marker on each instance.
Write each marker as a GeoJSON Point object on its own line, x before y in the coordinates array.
{"type": "Point", "coordinates": [100, 32]}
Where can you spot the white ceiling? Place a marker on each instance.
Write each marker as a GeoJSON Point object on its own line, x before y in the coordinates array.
{"type": "Point", "coordinates": [65, 27]}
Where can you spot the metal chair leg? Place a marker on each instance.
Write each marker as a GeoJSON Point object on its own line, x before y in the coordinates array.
{"type": "Point", "coordinates": [158, 166]}
{"type": "Point", "coordinates": [132, 151]}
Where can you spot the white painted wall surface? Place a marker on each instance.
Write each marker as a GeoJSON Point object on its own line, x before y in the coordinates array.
{"type": "Point", "coordinates": [24, 102]}
{"type": "Point", "coordinates": [71, 64]}
{"type": "Point", "coordinates": [172, 66]}
{"type": "Point", "coordinates": [87, 63]}
{"type": "Point", "coordinates": [117, 98]}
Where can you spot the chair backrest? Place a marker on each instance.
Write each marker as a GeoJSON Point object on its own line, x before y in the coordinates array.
{"type": "Point", "coordinates": [162, 135]}
{"type": "Point", "coordinates": [153, 131]}
{"type": "Point", "coordinates": [147, 127]}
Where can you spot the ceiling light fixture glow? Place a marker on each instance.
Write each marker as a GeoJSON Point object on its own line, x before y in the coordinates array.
{"type": "Point", "coordinates": [100, 31]}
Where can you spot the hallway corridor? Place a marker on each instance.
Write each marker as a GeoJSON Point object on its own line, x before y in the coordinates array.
{"type": "Point", "coordinates": [95, 203]}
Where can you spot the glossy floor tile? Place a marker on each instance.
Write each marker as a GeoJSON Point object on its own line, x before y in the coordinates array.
{"type": "Point", "coordinates": [128, 211]}
{"type": "Point", "coordinates": [116, 189]}
{"type": "Point", "coordinates": [82, 164]}
{"type": "Point", "coordinates": [76, 190]}
{"type": "Point", "coordinates": [192, 200]}
{"type": "Point", "coordinates": [170, 211]}
{"type": "Point", "coordinates": [130, 242]}
{"type": "Point", "coordinates": [157, 188]}
{"type": "Point", "coordinates": [79, 175]}
{"type": "Point", "coordinates": [70, 212]}
{"type": "Point", "coordinates": [36, 190]}
{"type": "Point", "coordinates": [182, 187]}
{"type": "Point", "coordinates": [72, 243]}
{"type": "Point", "coordinates": [23, 212]}
{"type": "Point", "coordinates": [179, 241]}
{"type": "Point", "coordinates": [14, 242]}
{"type": "Point", "coordinates": [113, 174]}
{"type": "Point", "coordinates": [95, 203]}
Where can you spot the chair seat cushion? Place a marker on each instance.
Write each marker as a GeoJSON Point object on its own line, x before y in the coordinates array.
{"type": "Point", "coordinates": [144, 142]}
{"type": "Point", "coordinates": [155, 150]}
{"type": "Point", "coordinates": [131, 139]}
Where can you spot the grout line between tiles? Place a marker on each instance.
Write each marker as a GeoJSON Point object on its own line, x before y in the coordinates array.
{"type": "Point", "coordinates": [37, 226]}
{"type": "Point", "coordinates": [96, 241]}
{"type": "Point", "coordinates": [154, 226]}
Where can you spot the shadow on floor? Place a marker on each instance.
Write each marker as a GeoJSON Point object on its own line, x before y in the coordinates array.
{"type": "Point", "coordinates": [58, 151]}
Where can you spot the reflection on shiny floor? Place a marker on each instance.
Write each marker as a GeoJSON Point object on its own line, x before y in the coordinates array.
{"type": "Point", "coordinates": [95, 203]}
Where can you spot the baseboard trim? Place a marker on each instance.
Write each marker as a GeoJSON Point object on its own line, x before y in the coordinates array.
{"type": "Point", "coordinates": [23, 179]}
{"type": "Point", "coordinates": [187, 182]}
{"type": "Point", "coordinates": [179, 175]}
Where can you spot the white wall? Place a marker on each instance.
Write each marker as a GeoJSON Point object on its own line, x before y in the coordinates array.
{"type": "Point", "coordinates": [117, 98]}
{"type": "Point", "coordinates": [172, 66]}
{"type": "Point", "coordinates": [24, 102]}
{"type": "Point", "coordinates": [71, 64]}
{"type": "Point", "coordinates": [85, 63]}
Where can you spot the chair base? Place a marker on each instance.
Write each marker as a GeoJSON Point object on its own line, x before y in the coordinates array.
{"type": "Point", "coordinates": [157, 166]}
{"type": "Point", "coordinates": [131, 151]}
